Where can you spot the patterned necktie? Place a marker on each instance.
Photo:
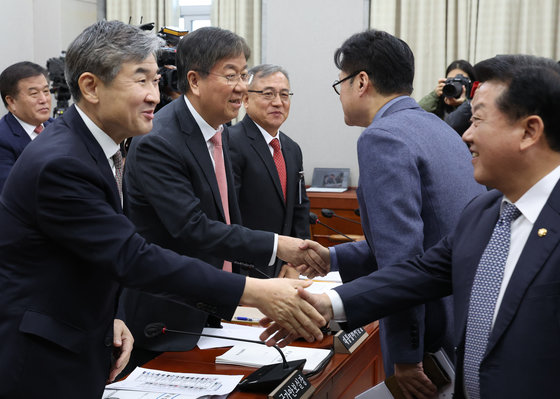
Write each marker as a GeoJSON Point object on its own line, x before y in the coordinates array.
{"type": "Point", "coordinates": [38, 129]}
{"type": "Point", "coordinates": [220, 170]}
{"type": "Point", "coordinates": [119, 167]}
{"type": "Point", "coordinates": [280, 164]}
{"type": "Point", "coordinates": [484, 294]}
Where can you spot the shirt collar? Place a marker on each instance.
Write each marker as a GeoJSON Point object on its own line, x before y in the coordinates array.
{"type": "Point", "coordinates": [207, 131]}
{"type": "Point", "coordinates": [267, 136]}
{"type": "Point", "coordinates": [384, 108]}
{"type": "Point", "coordinates": [107, 144]}
{"type": "Point", "coordinates": [532, 202]}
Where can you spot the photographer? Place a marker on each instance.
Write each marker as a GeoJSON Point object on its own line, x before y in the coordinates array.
{"type": "Point", "coordinates": [450, 100]}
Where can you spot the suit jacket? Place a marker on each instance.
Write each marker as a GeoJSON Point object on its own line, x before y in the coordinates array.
{"type": "Point", "coordinates": [13, 140]}
{"type": "Point", "coordinates": [175, 202]}
{"type": "Point", "coordinates": [258, 187]}
{"type": "Point", "coordinates": [65, 250]}
{"type": "Point", "coordinates": [415, 179]}
{"type": "Point", "coordinates": [521, 360]}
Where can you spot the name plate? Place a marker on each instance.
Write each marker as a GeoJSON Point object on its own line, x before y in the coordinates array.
{"type": "Point", "coordinates": [347, 342]}
{"type": "Point", "coordinates": [296, 386]}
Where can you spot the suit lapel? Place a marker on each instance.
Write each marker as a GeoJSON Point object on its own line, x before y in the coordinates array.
{"type": "Point", "coordinates": [17, 130]}
{"type": "Point", "coordinates": [197, 145]}
{"type": "Point", "coordinates": [261, 148]}
{"type": "Point", "coordinates": [77, 125]}
{"type": "Point", "coordinates": [532, 259]}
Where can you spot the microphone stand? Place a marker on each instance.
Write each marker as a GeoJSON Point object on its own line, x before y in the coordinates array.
{"type": "Point", "coordinates": [313, 219]}
{"type": "Point", "coordinates": [265, 378]}
{"type": "Point", "coordinates": [329, 213]}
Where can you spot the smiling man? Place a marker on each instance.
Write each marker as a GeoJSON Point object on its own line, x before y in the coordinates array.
{"type": "Point", "coordinates": [67, 249]}
{"type": "Point", "coordinates": [26, 95]}
{"type": "Point", "coordinates": [181, 188]}
{"type": "Point", "coordinates": [502, 260]}
{"type": "Point", "coordinates": [268, 165]}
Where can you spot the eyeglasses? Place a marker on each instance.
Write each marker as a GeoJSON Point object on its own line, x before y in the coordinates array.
{"type": "Point", "coordinates": [270, 94]}
{"type": "Point", "coordinates": [337, 82]}
{"type": "Point", "coordinates": [233, 78]}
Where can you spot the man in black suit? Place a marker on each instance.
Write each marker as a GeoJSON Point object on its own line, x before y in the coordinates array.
{"type": "Point", "coordinates": [268, 165]}
{"type": "Point", "coordinates": [177, 198]}
{"type": "Point", "coordinates": [26, 95]}
{"type": "Point", "coordinates": [67, 249]}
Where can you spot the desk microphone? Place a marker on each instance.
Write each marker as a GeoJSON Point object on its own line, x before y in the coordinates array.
{"type": "Point", "coordinates": [265, 378]}
{"type": "Point", "coordinates": [313, 219]}
{"type": "Point", "coordinates": [329, 213]}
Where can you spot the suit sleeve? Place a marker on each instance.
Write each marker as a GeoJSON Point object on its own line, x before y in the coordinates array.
{"type": "Point", "coordinates": [164, 178]}
{"type": "Point", "coordinates": [72, 209]}
{"type": "Point", "coordinates": [7, 160]}
{"type": "Point", "coordinates": [390, 181]}
{"type": "Point", "coordinates": [398, 287]}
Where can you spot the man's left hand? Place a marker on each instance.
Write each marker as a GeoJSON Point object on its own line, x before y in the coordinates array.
{"type": "Point", "coordinates": [122, 348]}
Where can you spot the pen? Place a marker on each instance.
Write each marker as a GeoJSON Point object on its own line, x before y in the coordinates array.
{"type": "Point", "coordinates": [241, 318]}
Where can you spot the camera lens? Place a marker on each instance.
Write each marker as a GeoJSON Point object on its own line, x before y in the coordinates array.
{"type": "Point", "coordinates": [453, 89]}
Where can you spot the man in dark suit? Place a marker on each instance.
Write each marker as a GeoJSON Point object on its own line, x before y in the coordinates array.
{"type": "Point", "coordinates": [501, 262]}
{"type": "Point", "coordinates": [66, 248]}
{"type": "Point", "coordinates": [268, 165]}
{"type": "Point", "coordinates": [415, 179]}
{"type": "Point", "coordinates": [26, 95]}
{"type": "Point", "coordinates": [180, 184]}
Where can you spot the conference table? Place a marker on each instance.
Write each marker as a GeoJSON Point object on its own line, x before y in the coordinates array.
{"type": "Point", "coordinates": [344, 376]}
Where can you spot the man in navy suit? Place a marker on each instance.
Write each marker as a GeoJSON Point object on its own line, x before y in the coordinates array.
{"type": "Point", "coordinates": [177, 199]}
{"type": "Point", "coordinates": [415, 179]}
{"type": "Point", "coordinates": [268, 165]}
{"type": "Point", "coordinates": [515, 144]}
{"type": "Point", "coordinates": [67, 249]}
{"type": "Point", "coordinates": [26, 95]}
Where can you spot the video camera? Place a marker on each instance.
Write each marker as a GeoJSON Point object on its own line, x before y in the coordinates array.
{"type": "Point", "coordinates": [454, 86]}
{"type": "Point", "coordinates": [55, 68]}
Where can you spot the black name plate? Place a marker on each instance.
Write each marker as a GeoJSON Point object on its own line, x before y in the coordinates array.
{"type": "Point", "coordinates": [296, 386]}
{"type": "Point", "coordinates": [347, 342]}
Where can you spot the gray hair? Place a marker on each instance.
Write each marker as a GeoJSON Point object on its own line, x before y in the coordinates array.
{"type": "Point", "coordinates": [202, 49]}
{"type": "Point", "coordinates": [103, 47]}
{"type": "Point", "coordinates": [264, 70]}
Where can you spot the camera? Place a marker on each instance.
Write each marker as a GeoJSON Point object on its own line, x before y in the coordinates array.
{"type": "Point", "coordinates": [454, 86]}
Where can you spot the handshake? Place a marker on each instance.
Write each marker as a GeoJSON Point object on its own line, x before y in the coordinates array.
{"type": "Point", "coordinates": [290, 311]}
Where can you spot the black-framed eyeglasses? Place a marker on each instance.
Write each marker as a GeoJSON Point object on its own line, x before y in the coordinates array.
{"type": "Point", "coordinates": [337, 82]}
{"type": "Point", "coordinates": [233, 78]}
{"type": "Point", "coordinates": [270, 94]}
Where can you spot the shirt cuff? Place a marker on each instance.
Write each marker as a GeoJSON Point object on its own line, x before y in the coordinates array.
{"type": "Point", "coordinates": [339, 315]}
{"type": "Point", "coordinates": [274, 250]}
{"type": "Point", "coordinates": [334, 259]}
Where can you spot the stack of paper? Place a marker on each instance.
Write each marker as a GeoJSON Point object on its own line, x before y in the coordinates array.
{"type": "Point", "coordinates": [254, 355]}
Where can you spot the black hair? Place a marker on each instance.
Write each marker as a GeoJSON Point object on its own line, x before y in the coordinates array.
{"type": "Point", "coordinates": [11, 76]}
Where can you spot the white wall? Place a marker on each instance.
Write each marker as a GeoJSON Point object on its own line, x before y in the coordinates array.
{"type": "Point", "coordinates": [36, 30]}
{"type": "Point", "coordinates": [302, 37]}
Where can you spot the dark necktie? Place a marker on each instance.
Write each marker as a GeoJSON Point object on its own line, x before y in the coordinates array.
{"type": "Point", "coordinates": [119, 167]}
{"type": "Point", "coordinates": [484, 294]}
{"type": "Point", "coordinates": [280, 164]}
{"type": "Point", "coordinates": [220, 170]}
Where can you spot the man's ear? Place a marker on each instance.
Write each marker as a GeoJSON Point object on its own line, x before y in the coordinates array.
{"type": "Point", "coordinates": [362, 81]}
{"type": "Point", "coordinates": [245, 100]}
{"type": "Point", "coordinates": [89, 84]}
{"type": "Point", "coordinates": [193, 80]}
{"type": "Point", "coordinates": [11, 103]}
{"type": "Point", "coordinates": [533, 131]}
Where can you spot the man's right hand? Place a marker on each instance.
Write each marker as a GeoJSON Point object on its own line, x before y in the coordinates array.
{"type": "Point", "coordinates": [276, 334]}
{"type": "Point", "coordinates": [413, 382]}
{"type": "Point", "coordinates": [278, 299]}
{"type": "Point", "coordinates": [318, 259]}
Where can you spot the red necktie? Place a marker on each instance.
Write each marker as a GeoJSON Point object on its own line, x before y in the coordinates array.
{"type": "Point", "coordinates": [220, 170]}
{"type": "Point", "coordinates": [38, 129]}
{"type": "Point", "coordinates": [280, 164]}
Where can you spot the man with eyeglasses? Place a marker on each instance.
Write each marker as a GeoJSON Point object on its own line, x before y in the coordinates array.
{"type": "Point", "coordinates": [268, 165]}
{"type": "Point", "coordinates": [181, 188]}
{"type": "Point", "coordinates": [415, 178]}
